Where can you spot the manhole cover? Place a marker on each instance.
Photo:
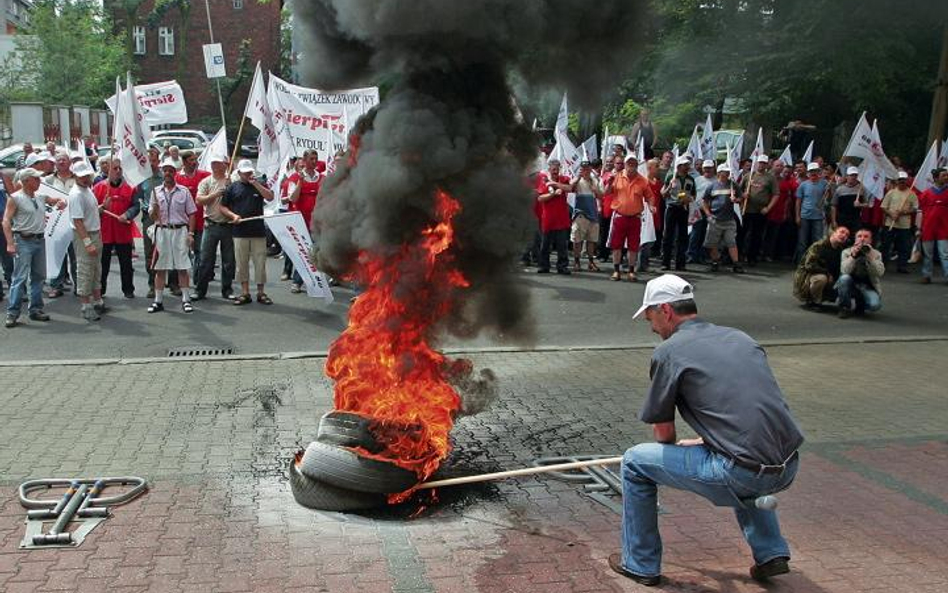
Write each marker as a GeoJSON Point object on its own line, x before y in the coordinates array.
{"type": "Point", "coordinates": [200, 351]}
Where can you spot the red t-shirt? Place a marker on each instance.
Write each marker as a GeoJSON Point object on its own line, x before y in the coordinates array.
{"type": "Point", "coordinates": [658, 217]}
{"type": "Point", "coordinates": [607, 197]}
{"type": "Point", "coordinates": [787, 192]}
{"type": "Point", "coordinates": [554, 213]}
{"type": "Point", "coordinates": [191, 182]}
{"type": "Point", "coordinates": [309, 191]}
{"type": "Point", "coordinates": [934, 207]}
{"type": "Point", "coordinates": [115, 231]}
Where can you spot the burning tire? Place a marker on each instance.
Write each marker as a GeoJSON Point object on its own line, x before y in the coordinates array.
{"type": "Point", "coordinates": [347, 469]}
{"type": "Point", "coordinates": [325, 497]}
{"type": "Point", "coordinates": [347, 429]}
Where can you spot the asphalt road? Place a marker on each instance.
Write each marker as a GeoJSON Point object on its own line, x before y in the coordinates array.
{"type": "Point", "coordinates": [583, 310]}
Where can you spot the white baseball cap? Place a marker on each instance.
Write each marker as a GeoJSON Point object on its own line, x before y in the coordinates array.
{"type": "Point", "coordinates": [27, 172]}
{"type": "Point", "coordinates": [169, 163]}
{"type": "Point", "coordinates": [218, 158]}
{"type": "Point", "coordinates": [32, 159]}
{"type": "Point", "coordinates": [667, 288]}
{"type": "Point", "coordinates": [81, 169]}
{"type": "Point", "coordinates": [852, 170]}
{"type": "Point", "coordinates": [724, 168]}
{"type": "Point", "coordinates": [631, 157]}
{"type": "Point", "coordinates": [763, 159]}
{"type": "Point", "coordinates": [813, 167]}
{"type": "Point", "coordinates": [707, 163]}
{"type": "Point", "coordinates": [46, 156]}
{"type": "Point", "coordinates": [902, 175]}
{"type": "Point", "coordinates": [245, 166]}
{"type": "Point", "coordinates": [682, 160]}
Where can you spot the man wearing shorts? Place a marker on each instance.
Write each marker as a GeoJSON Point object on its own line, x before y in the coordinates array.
{"type": "Point", "coordinates": [87, 241]}
{"type": "Point", "coordinates": [243, 199]}
{"type": "Point", "coordinates": [585, 227]}
{"type": "Point", "coordinates": [172, 208]}
{"type": "Point", "coordinates": [718, 205]}
{"type": "Point", "coordinates": [632, 193]}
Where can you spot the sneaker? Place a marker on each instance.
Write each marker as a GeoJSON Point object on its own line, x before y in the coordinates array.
{"type": "Point", "coordinates": [90, 314]}
{"type": "Point", "coordinates": [54, 293]}
{"type": "Point", "coordinates": [771, 568]}
{"type": "Point", "coordinates": [176, 291]}
{"type": "Point", "coordinates": [39, 316]}
{"type": "Point", "coordinates": [284, 277]}
{"type": "Point", "coordinates": [10, 321]}
{"type": "Point", "coordinates": [296, 288]}
{"type": "Point", "coordinates": [738, 269]}
{"type": "Point", "coordinates": [198, 296]}
{"type": "Point", "coordinates": [131, 295]}
{"type": "Point", "coordinates": [714, 266]}
{"type": "Point", "coordinates": [615, 563]}
{"type": "Point", "coordinates": [156, 307]}
{"type": "Point", "coordinates": [616, 277]}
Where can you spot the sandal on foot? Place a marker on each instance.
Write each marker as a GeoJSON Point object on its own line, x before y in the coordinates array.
{"type": "Point", "coordinates": [263, 299]}
{"type": "Point", "coordinates": [187, 307]}
{"type": "Point", "coordinates": [592, 267]}
{"type": "Point", "coordinates": [155, 307]}
{"type": "Point", "coordinates": [243, 299]}
{"type": "Point", "coordinates": [632, 277]}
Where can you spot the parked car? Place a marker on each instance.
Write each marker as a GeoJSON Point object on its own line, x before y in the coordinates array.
{"type": "Point", "coordinates": [182, 133]}
{"type": "Point", "coordinates": [723, 139]}
{"type": "Point", "coordinates": [10, 154]}
{"type": "Point", "coordinates": [193, 144]}
{"type": "Point", "coordinates": [249, 149]}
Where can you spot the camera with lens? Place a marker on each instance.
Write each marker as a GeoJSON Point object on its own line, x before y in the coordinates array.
{"type": "Point", "coordinates": [863, 250]}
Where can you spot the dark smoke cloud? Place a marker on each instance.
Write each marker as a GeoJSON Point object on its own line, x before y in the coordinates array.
{"type": "Point", "coordinates": [450, 122]}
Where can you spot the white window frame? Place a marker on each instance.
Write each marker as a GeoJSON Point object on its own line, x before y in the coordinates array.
{"type": "Point", "coordinates": [165, 41]}
{"type": "Point", "coordinates": [139, 40]}
{"type": "Point", "coordinates": [238, 4]}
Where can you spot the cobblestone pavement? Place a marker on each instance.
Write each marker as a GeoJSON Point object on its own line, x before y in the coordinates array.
{"type": "Point", "coordinates": [868, 511]}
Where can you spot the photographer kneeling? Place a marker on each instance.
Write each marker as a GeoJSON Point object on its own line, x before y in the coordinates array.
{"type": "Point", "coordinates": [860, 280]}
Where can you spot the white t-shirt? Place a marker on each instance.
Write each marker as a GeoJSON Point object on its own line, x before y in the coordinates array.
{"type": "Point", "coordinates": [82, 204]}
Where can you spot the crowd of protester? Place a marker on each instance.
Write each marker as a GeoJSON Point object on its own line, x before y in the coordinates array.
{"type": "Point", "coordinates": [194, 225]}
{"type": "Point", "coordinates": [815, 215]}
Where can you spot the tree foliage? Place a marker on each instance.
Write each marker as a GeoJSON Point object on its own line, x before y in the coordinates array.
{"type": "Point", "coordinates": [69, 54]}
{"type": "Point", "coordinates": [820, 61]}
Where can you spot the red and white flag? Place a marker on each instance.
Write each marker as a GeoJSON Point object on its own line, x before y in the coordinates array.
{"type": "Point", "coordinates": [924, 178]}
{"type": "Point", "coordinates": [131, 135]}
{"type": "Point", "coordinates": [259, 112]}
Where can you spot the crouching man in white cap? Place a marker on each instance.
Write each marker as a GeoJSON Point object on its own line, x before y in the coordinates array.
{"type": "Point", "coordinates": [87, 241]}
{"type": "Point", "coordinates": [172, 208]}
{"type": "Point", "coordinates": [719, 381]}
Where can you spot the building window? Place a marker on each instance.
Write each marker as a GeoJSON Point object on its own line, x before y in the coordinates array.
{"type": "Point", "coordinates": [165, 41]}
{"type": "Point", "coordinates": [138, 34]}
{"type": "Point", "coordinates": [238, 4]}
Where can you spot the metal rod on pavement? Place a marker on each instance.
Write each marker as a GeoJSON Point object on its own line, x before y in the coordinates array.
{"type": "Point", "coordinates": [527, 471]}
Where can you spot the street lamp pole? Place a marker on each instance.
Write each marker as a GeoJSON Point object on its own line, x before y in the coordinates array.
{"type": "Point", "coordinates": [210, 30]}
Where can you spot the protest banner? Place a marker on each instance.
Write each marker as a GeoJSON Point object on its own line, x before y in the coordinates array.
{"type": "Point", "coordinates": [159, 103]}
{"type": "Point", "coordinates": [58, 233]}
{"type": "Point", "coordinates": [290, 231]}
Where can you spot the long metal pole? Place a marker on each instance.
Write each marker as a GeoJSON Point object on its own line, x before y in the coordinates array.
{"type": "Point", "coordinates": [210, 30]}
{"type": "Point", "coordinates": [527, 471]}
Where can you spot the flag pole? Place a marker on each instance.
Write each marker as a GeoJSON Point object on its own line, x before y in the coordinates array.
{"type": "Point", "coordinates": [243, 119]}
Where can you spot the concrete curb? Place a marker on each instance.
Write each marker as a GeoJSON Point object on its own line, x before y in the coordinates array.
{"type": "Point", "coordinates": [472, 350]}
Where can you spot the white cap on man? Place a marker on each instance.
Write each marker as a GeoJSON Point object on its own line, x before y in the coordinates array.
{"type": "Point", "coordinates": [245, 166]}
{"type": "Point", "coordinates": [852, 170]}
{"type": "Point", "coordinates": [218, 158]}
{"type": "Point", "coordinates": [683, 160]}
{"type": "Point", "coordinates": [902, 175]}
{"type": "Point", "coordinates": [724, 168]}
{"type": "Point", "coordinates": [169, 162]}
{"type": "Point", "coordinates": [667, 288]}
{"type": "Point", "coordinates": [763, 159]}
{"type": "Point", "coordinates": [631, 157]}
{"type": "Point", "coordinates": [27, 172]}
{"type": "Point", "coordinates": [32, 159]}
{"type": "Point", "coordinates": [813, 167]}
{"type": "Point", "coordinates": [707, 164]}
{"type": "Point", "coordinates": [81, 169]}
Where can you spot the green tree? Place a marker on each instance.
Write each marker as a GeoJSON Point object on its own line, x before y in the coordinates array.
{"type": "Point", "coordinates": [69, 54]}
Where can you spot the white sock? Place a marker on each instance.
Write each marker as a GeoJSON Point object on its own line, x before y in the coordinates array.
{"type": "Point", "coordinates": [159, 296]}
{"type": "Point", "coordinates": [185, 295]}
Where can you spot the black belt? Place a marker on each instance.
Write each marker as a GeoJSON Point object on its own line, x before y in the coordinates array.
{"type": "Point", "coordinates": [761, 468]}
{"type": "Point", "coordinates": [28, 235]}
{"type": "Point", "coordinates": [171, 226]}
{"type": "Point", "coordinates": [215, 223]}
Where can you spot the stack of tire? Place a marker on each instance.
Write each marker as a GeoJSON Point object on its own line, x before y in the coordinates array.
{"type": "Point", "coordinates": [330, 475]}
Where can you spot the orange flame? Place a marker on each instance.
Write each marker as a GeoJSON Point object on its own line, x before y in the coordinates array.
{"type": "Point", "coordinates": [383, 364]}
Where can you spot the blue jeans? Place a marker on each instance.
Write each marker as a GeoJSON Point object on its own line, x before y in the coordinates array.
{"type": "Point", "coordinates": [29, 262]}
{"type": "Point", "coordinates": [696, 241]}
{"type": "Point", "coordinates": [699, 470]}
{"type": "Point", "coordinates": [848, 289]}
{"type": "Point", "coordinates": [810, 232]}
{"type": "Point", "coordinates": [928, 248]}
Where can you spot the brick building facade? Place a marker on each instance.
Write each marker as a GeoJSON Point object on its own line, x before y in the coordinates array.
{"type": "Point", "coordinates": [171, 48]}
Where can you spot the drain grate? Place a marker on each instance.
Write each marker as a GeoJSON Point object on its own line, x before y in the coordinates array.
{"type": "Point", "coordinates": [200, 351]}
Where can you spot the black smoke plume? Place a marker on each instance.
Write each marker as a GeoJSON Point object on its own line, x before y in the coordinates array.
{"type": "Point", "coordinates": [450, 121]}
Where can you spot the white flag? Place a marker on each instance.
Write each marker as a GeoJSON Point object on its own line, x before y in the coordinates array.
{"type": "Point", "coordinates": [567, 153]}
{"type": "Point", "coordinates": [289, 229]}
{"type": "Point", "coordinates": [640, 154]}
{"type": "Point", "coordinates": [866, 143]}
{"type": "Point", "coordinates": [58, 232]}
{"type": "Point", "coordinates": [131, 136]}
{"type": "Point", "coordinates": [81, 147]}
{"type": "Point", "coordinates": [694, 146]}
{"type": "Point", "coordinates": [943, 157]}
{"type": "Point", "coordinates": [216, 147]}
{"type": "Point", "coordinates": [808, 153]}
{"type": "Point", "coordinates": [924, 178]}
{"type": "Point", "coordinates": [590, 149]}
{"type": "Point", "coordinates": [604, 151]}
{"type": "Point", "coordinates": [159, 103]}
{"type": "Point", "coordinates": [758, 149]}
{"type": "Point", "coordinates": [786, 157]}
{"type": "Point", "coordinates": [260, 114]}
{"type": "Point", "coordinates": [562, 119]}
{"type": "Point", "coordinates": [872, 178]}
{"type": "Point", "coordinates": [707, 141]}
{"type": "Point", "coordinates": [647, 232]}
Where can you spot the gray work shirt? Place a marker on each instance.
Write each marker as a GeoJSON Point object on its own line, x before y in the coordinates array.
{"type": "Point", "coordinates": [720, 381]}
{"type": "Point", "coordinates": [30, 214]}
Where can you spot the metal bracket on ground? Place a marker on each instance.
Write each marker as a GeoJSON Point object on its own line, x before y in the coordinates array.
{"type": "Point", "coordinates": [82, 507]}
{"type": "Point", "coordinates": [597, 481]}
